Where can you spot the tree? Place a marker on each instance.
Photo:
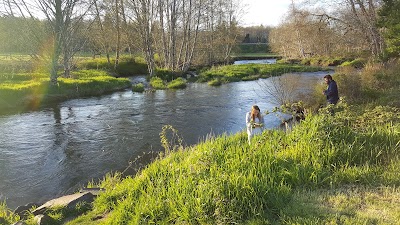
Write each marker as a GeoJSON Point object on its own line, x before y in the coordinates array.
{"type": "Point", "coordinates": [143, 14]}
{"type": "Point", "coordinates": [390, 21]}
{"type": "Point", "coordinates": [353, 17]}
{"type": "Point", "coordinates": [63, 17]}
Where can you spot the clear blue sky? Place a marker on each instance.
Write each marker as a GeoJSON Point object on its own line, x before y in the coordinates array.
{"type": "Point", "coordinates": [264, 12]}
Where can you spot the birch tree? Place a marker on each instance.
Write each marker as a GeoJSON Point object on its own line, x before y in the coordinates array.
{"type": "Point", "coordinates": [143, 14]}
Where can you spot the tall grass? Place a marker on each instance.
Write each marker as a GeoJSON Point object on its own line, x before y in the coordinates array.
{"type": "Point", "coordinates": [6, 215]}
{"type": "Point", "coordinates": [224, 180]}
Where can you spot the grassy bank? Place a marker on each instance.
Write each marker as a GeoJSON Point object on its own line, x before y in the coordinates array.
{"type": "Point", "coordinates": [235, 73]}
{"type": "Point", "coordinates": [340, 169]}
{"type": "Point", "coordinates": [324, 163]}
{"type": "Point", "coordinates": [25, 91]}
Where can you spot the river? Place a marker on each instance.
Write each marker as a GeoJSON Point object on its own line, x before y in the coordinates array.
{"type": "Point", "coordinates": [56, 150]}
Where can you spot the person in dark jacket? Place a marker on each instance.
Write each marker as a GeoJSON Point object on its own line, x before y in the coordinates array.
{"type": "Point", "coordinates": [331, 93]}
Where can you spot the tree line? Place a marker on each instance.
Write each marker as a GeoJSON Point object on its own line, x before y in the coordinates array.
{"type": "Point", "coordinates": [176, 34]}
{"type": "Point", "coordinates": [339, 27]}
{"type": "Point", "coordinates": [171, 34]}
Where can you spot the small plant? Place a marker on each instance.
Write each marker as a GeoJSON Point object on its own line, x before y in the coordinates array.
{"type": "Point", "coordinates": [215, 82]}
{"type": "Point", "coordinates": [138, 88]}
{"type": "Point", "coordinates": [356, 63]}
{"type": "Point", "coordinates": [178, 83]}
{"type": "Point", "coordinates": [6, 215]}
{"type": "Point", "coordinates": [157, 83]}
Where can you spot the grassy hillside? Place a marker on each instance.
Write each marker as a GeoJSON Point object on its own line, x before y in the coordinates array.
{"type": "Point", "coordinates": [279, 179]}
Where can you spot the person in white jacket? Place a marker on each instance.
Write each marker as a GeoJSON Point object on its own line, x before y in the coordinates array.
{"type": "Point", "coordinates": [254, 122]}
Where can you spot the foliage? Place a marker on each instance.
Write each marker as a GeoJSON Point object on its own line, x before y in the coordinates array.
{"type": "Point", "coordinates": [234, 73]}
{"type": "Point", "coordinates": [127, 66]}
{"type": "Point", "coordinates": [165, 74]}
{"type": "Point", "coordinates": [138, 87]}
{"type": "Point", "coordinates": [347, 205]}
{"type": "Point", "coordinates": [214, 82]}
{"type": "Point", "coordinates": [224, 180]}
{"type": "Point", "coordinates": [30, 90]}
{"type": "Point", "coordinates": [157, 83]}
{"type": "Point", "coordinates": [253, 48]}
{"type": "Point", "coordinates": [178, 83]}
{"type": "Point", "coordinates": [323, 61]}
{"type": "Point", "coordinates": [390, 20]}
{"type": "Point", "coordinates": [23, 35]}
{"type": "Point", "coordinates": [356, 63]}
{"type": "Point", "coordinates": [6, 215]}
{"type": "Point", "coordinates": [349, 81]}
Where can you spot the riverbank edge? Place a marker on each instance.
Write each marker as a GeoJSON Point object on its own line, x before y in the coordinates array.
{"type": "Point", "coordinates": [35, 101]}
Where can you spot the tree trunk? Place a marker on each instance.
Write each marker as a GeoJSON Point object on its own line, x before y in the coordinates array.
{"type": "Point", "coordinates": [118, 35]}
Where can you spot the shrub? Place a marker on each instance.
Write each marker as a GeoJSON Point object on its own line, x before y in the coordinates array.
{"type": "Point", "coordinates": [6, 215]}
{"type": "Point", "coordinates": [157, 83]}
{"type": "Point", "coordinates": [127, 66]}
{"type": "Point", "coordinates": [349, 83]}
{"type": "Point", "coordinates": [138, 87]}
{"type": "Point", "coordinates": [356, 63]}
{"type": "Point", "coordinates": [178, 83]}
{"type": "Point", "coordinates": [165, 74]}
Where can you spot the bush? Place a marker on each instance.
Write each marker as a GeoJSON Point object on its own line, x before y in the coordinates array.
{"type": "Point", "coordinates": [6, 215]}
{"type": "Point", "coordinates": [165, 74]}
{"type": "Point", "coordinates": [157, 83]}
{"type": "Point", "coordinates": [178, 83]}
{"type": "Point", "coordinates": [138, 87]}
{"type": "Point", "coordinates": [127, 66]}
{"type": "Point", "coordinates": [349, 83]}
{"type": "Point", "coordinates": [356, 63]}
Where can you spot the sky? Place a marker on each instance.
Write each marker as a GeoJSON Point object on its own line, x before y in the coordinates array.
{"type": "Point", "coordinates": [264, 12]}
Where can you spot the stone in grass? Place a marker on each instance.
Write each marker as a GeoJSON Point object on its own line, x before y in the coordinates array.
{"type": "Point", "coordinates": [68, 201]}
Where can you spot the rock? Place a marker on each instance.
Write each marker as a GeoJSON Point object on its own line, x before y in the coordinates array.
{"type": "Point", "coordinates": [69, 201]}
{"type": "Point", "coordinates": [22, 211]}
{"type": "Point", "coordinates": [43, 219]}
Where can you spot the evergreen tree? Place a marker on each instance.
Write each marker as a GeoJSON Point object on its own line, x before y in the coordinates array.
{"type": "Point", "coordinates": [390, 22]}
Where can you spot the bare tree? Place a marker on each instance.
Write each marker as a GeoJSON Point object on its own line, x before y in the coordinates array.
{"type": "Point", "coordinates": [353, 16]}
{"type": "Point", "coordinates": [143, 14]}
{"type": "Point", "coordinates": [281, 89]}
{"type": "Point", "coordinates": [62, 16]}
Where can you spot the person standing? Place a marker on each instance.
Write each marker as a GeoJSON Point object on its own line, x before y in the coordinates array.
{"type": "Point", "coordinates": [254, 122]}
{"type": "Point", "coordinates": [331, 93]}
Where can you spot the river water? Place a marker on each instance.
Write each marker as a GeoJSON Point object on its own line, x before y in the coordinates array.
{"type": "Point", "coordinates": [56, 150]}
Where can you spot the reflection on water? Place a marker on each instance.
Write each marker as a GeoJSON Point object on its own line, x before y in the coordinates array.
{"type": "Point", "coordinates": [54, 151]}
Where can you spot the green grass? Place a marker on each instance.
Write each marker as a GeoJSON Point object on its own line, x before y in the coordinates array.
{"type": "Point", "coordinates": [128, 66]}
{"type": "Point", "coordinates": [346, 205]}
{"type": "Point", "coordinates": [214, 82]}
{"type": "Point", "coordinates": [138, 88]}
{"type": "Point", "coordinates": [224, 180]}
{"type": "Point", "coordinates": [29, 90]}
{"type": "Point", "coordinates": [234, 73]}
{"type": "Point", "coordinates": [157, 83]}
{"type": "Point", "coordinates": [6, 215]}
{"type": "Point", "coordinates": [178, 83]}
